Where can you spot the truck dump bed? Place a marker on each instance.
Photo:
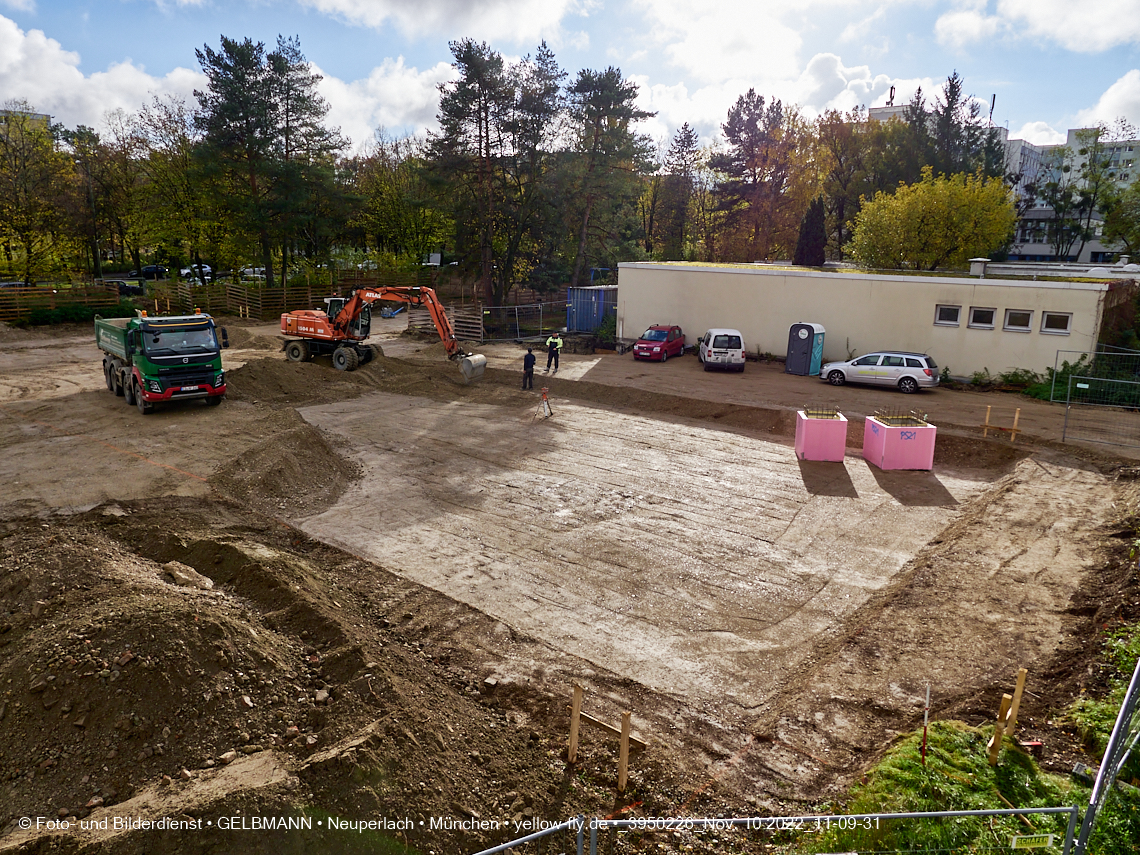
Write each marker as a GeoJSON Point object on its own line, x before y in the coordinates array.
{"type": "Point", "coordinates": [111, 335]}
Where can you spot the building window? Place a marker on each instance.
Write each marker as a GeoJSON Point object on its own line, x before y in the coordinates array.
{"type": "Point", "coordinates": [982, 319]}
{"type": "Point", "coordinates": [1056, 323]}
{"type": "Point", "coordinates": [947, 316]}
{"type": "Point", "coordinates": [1018, 320]}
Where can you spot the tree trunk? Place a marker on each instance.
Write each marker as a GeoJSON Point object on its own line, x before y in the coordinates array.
{"type": "Point", "coordinates": [581, 256]}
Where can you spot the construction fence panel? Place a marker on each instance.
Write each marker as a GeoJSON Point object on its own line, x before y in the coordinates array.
{"type": "Point", "coordinates": [529, 320]}
{"type": "Point", "coordinates": [1106, 362]}
{"type": "Point", "coordinates": [1102, 410]}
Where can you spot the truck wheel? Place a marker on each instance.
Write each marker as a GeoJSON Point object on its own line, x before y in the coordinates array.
{"type": "Point", "coordinates": [297, 351]}
{"type": "Point", "coordinates": [107, 377]}
{"type": "Point", "coordinates": [129, 393]}
{"type": "Point", "coordinates": [213, 400]}
{"type": "Point", "coordinates": [117, 379]}
{"type": "Point", "coordinates": [144, 408]}
{"type": "Point", "coordinates": [341, 358]}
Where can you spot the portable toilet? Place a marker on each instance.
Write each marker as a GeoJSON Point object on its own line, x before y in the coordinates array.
{"type": "Point", "coordinates": [805, 349]}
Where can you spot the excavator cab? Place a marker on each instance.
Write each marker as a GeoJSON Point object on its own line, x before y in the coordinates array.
{"type": "Point", "coordinates": [361, 327]}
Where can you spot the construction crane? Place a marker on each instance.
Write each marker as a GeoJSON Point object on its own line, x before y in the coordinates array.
{"type": "Point", "coordinates": [342, 329]}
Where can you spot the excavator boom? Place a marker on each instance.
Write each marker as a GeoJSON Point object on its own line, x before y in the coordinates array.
{"type": "Point", "coordinates": [341, 334]}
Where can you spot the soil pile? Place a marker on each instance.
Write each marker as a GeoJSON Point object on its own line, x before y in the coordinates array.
{"type": "Point", "coordinates": [184, 658]}
{"type": "Point", "coordinates": [115, 673]}
{"type": "Point", "coordinates": [244, 339]}
{"type": "Point", "coordinates": [297, 472]}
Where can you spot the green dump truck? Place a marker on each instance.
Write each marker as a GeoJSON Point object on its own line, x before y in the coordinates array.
{"type": "Point", "coordinates": [149, 361]}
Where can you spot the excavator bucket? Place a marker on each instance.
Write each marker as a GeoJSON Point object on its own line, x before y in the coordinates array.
{"type": "Point", "coordinates": [473, 366]}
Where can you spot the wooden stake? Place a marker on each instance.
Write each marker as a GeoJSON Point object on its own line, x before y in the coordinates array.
{"type": "Point", "coordinates": [623, 756]}
{"type": "Point", "coordinates": [986, 426]}
{"type": "Point", "coordinates": [999, 728]}
{"type": "Point", "coordinates": [575, 712]}
{"type": "Point", "coordinates": [1013, 433]}
{"type": "Point", "coordinates": [1016, 705]}
{"type": "Point", "coordinates": [925, 723]}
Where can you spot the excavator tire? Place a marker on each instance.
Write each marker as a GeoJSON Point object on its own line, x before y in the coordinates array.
{"type": "Point", "coordinates": [342, 357]}
{"type": "Point", "coordinates": [365, 353]}
{"type": "Point", "coordinates": [297, 351]}
{"type": "Point", "coordinates": [353, 360]}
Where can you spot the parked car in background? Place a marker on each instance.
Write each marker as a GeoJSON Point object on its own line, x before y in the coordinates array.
{"type": "Point", "coordinates": [191, 272]}
{"type": "Point", "coordinates": [906, 371]}
{"type": "Point", "coordinates": [659, 342]}
{"type": "Point", "coordinates": [126, 287]}
{"type": "Point", "coordinates": [151, 271]}
{"type": "Point", "coordinates": [722, 348]}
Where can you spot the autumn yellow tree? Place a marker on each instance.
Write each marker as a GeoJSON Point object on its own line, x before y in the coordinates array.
{"type": "Point", "coordinates": [938, 222]}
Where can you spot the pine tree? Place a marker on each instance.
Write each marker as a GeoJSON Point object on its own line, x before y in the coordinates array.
{"type": "Point", "coordinates": [813, 236]}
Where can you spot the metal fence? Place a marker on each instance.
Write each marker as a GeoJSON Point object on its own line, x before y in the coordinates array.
{"type": "Point", "coordinates": [1101, 410]}
{"type": "Point", "coordinates": [1123, 741]}
{"type": "Point", "coordinates": [530, 320]}
{"type": "Point", "coordinates": [1101, 393]}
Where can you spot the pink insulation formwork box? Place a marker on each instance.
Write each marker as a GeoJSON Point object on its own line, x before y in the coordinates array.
{"type": "Point", "coordinates": [908, 446]}
{"type": "Point", "coordinates": [821, 439]}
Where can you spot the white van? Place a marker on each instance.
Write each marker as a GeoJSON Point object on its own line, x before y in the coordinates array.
{"type": "Point", "coordinates": [722, 349]}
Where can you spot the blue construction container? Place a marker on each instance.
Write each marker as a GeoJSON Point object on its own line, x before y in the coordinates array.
{"type": "Point", "coordinates": [587, 307]}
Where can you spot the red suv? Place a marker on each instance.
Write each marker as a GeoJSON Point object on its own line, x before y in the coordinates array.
{"type": "Point", "coordinates": [659, 342]}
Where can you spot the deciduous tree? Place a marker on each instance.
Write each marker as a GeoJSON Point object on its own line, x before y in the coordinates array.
{"type": "Point", "coordinates": [937, 222]}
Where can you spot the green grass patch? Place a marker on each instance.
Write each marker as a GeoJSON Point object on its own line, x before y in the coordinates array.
{"type": "Point", "coordinates": [957, 776]}
{"type": "Point", "coordinates": [1094, 718]}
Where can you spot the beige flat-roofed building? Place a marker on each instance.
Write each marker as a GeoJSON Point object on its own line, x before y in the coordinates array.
{"type": "Point", "coordinates": [966, 323]}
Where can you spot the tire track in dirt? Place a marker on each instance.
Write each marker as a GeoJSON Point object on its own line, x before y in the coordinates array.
{"type": "Point", "coordinates": [734, 586]}
{"type": "Point", "coordinates": [988, 595]}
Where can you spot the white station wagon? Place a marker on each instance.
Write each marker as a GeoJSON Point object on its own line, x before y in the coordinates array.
{"type": "Point", "coordinates": [908, 372]}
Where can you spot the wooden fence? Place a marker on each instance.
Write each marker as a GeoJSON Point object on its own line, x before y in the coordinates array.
{"type": "Point", "coordinates": [19, 303]}
{"type": "Point", "coordinates": [252, 299]}
{"type": "Point", "coordinates": [466, 321]}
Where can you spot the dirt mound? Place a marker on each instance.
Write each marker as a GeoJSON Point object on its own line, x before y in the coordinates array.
{"type": "Point", "coordinates": [285, 689]}
{"type": "Point", "coordinates": [298, 472]}
{"type": "Point", "coordinates": [277, 381]}
{"type": "Point", "coordinates": [438, 348]}
{"type": "Point", "coordinates": [245, 339]}
{"type": "Point", "coordinates": [98, 642]}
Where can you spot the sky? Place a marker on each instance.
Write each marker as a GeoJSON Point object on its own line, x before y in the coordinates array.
{"type": "Point", "coordinates": [1052, 64]}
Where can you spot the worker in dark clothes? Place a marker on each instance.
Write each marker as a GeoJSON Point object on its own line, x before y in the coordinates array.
{"type": "Point", "coordinates": [528, 369]}
{"type": "Point", "coordinates": [553, 345]}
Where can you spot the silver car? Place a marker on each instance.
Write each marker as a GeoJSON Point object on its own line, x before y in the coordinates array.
{"type": "Point", "coordinates": [908, 372]}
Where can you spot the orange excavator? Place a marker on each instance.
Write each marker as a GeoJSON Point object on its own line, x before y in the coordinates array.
{"type": "Point", "coordinates": [342, 329]}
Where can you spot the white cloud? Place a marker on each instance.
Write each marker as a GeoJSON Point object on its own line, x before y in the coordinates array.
{"type": "Point", "coordinates": [520, 21]}
{"type": "Point", "coordinates": [719, 41]}
{"type": "Point", "coordinates": [1088, 26]}
{"type": "Point", "coordinates": [394, 96]}
{"type": "Point", "coordinates": [1038, 133]}
{"type": "Point", "coordinates": [827, 84]}
{"type": "Point", "coordinates": [36, 69]}
{"type": "Point", "coordinates": [862, 29]}
{"type": "Point", "coordinates": [966, 26]}
{"type": "Point", "coordinates": [20, 5]}
{"type": "Point", "coordinates": [1122, 98]}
